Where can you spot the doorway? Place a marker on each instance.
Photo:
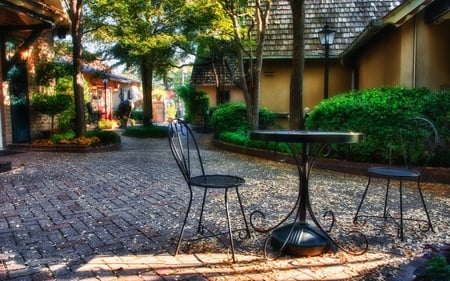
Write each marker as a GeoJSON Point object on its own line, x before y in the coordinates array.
{"type": "Point", "coordinates": [20, 106]}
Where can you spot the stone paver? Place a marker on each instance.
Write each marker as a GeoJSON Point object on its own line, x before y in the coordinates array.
{"type": "Point", "coordinates": [116, 216]}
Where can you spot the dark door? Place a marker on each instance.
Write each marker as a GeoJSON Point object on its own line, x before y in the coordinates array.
{"type": "Point", "coordinates": [20, 107]}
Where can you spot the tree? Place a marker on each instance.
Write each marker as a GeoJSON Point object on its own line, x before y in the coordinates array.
{"type": "Point", "coordinates": [75, 12]}
{"type": "Point", "coordinates": [149, 35]}
{"type": "Point", "coordinates": [296, 120]}
{"type": "Point", "coordinates": [249, 20]}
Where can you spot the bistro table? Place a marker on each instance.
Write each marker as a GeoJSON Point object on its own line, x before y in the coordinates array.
{"type": "Point", "coordinates": [300, 237]}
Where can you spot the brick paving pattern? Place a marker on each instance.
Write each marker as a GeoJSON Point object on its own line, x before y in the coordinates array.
{"type": "Point", "coordinates": [116, 216]}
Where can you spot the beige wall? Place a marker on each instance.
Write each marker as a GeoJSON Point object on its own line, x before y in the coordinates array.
{"type": "Point", "coordinates": [414, 55]}
{"type": "Point", "coordinates": [433, 55]}
{"type": "Point", "coordinates": [275, 83]}
{"type": "Point", "coordinates": [379, 65]}
{"type": "Point", "coordinates": [275, 89]}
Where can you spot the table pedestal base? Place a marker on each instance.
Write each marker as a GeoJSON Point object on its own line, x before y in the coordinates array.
{"type": "Point", "coordinates": [304, 239]}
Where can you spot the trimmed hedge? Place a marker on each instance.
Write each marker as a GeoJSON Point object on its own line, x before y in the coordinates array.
{"type": "Point", "coordinates": [151, 131]}
{"type": "Point", "coordinates": [231, 117]}
{"type": "Point", "coordinates": [376, 113]}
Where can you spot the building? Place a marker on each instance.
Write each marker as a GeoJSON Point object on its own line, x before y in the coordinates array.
{"type": "Point", "coordinates": [377, 43]}
{"type": "Point", "coordinates": [27, 33]}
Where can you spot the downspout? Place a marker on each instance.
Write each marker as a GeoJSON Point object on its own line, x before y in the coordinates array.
{"type": "Point", "coordinates": [414, 70]}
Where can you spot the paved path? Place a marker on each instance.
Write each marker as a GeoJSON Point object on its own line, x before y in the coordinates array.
{"type": "Point", "coordinates": [116, 215]}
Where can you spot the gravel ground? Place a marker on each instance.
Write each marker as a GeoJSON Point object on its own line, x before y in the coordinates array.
{"type": "Point", "coordinates": [59, 212]}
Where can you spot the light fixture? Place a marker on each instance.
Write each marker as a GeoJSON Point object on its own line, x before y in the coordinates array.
{"type": "Point", "coordinates": [326, 37]}
{"type": "Point", "coordinates": [25, 54]}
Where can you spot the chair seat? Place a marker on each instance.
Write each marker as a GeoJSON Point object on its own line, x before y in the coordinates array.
{"type": "Point", "coordinates": [393, 172]}
{"type": "Point", "coordinates": [216, 181]}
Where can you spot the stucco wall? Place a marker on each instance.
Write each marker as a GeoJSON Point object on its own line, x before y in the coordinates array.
{"type": "Point", "coordinates": [415, 54]}
{"type": "Point", "coordinates": [433, 54]}
{"type": "Point", "coordinates": [379, 65]}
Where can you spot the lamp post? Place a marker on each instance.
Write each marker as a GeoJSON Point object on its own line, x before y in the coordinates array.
{"type": "Point", "coordinates": [105, 82]}
{"type": "Point", "coordinates": [326, 37]}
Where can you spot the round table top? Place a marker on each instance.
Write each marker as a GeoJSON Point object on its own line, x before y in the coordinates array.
{"type": "Point", "coordinates": [306, 136]}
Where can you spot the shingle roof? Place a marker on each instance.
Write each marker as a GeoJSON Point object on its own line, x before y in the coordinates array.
{"type": "Point", "coordinates": [347, 17]}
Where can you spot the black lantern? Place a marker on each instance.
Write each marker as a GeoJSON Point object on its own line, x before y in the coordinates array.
{"type": "Point", "coordinates": [326, 37]}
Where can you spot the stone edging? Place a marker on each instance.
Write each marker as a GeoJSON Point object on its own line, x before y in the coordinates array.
{"type": "Point", "coordinates": [431, 174]}
{"type": "Point", "coordinates": [64, 148]}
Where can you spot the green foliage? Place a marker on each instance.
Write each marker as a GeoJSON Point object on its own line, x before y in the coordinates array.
{"type": "Point", "coordinates": [241, 138]}
{"type": "Point", "coordinates": [45, 73]}
{"type": "Point", "coordinates": [437, 269]}
{"type": "Point", "coordinates": [61, 72]}
{"type": "Point", "coordinates": [231, 117]}
{"type": "Point", "coordinates": [106, 137]}
{"type": "Point", "coordinates": [151, 131]}
{"type": "Point", "coordinates": [196, 104]}
{"type": "Point", "coordinates": [137, 115]}
{"type": "Point", "coordinates": [51, 104]}
{"type": "Point", "coordinates": [55, 138]}
{"type": "Point", "coordinates": [376, 113]}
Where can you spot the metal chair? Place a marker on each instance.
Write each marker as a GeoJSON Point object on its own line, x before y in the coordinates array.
{"type": "Point", "coordinates": [411, 147]}
{"type": "Point", "coordinates": [186, 152]}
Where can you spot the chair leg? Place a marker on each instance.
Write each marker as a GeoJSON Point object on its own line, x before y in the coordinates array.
{"type": "Point", "coordinates": [230, 234]}
{"type": "Point", "coordinates": [184, 223]}
{"type": "Point", "coordinates": [201, 211]}
{"type": "Point", "coordinates": [386, 196]}
{"type": "Point", "coordinates": [355, 218]}
{"type": "Point", "coordinates": [243, 214]}
{"type": "Point", "coordinates": [424, 205]}
{"type": "Point", "coordinates": [401, 209]}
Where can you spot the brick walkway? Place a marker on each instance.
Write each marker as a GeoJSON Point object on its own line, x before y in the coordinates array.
{"type": "Point", "coordinates": [116, 215]}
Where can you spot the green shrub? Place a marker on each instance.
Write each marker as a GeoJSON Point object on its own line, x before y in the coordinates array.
{"type": "Point", "coordinates": [376, 113]}
{"type": "Point", "coordinates": [151, 131]}
{"type": "Point", "coordinates": [51, 105]}
{"type": "Point", "coordinates": [231, 117]}
{"type": "Point", "coordinates": [137, 115]}
{"type": "Point", "coordinates": [106, 137]}
{"type": "Point", "coordinates": [436, 269]}
{"type": "Point", "coordinates": [196, 104]}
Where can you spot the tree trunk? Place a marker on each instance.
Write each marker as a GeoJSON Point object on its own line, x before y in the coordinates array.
{"type": "Point", "coordinates": [75, 13]}
{"type": "Point", "coordinates": [147, 77]}
{"type": "Point", "coordinates": [296, 87]}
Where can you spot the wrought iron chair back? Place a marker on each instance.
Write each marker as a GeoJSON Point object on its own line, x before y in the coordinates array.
{"type": "Point", "coordinates": [185, 149]}
{"type": "Point", "coordinates": [411, 147]}
{"type": "Point", "coordinates": [186, 153]}
{"type": "Point", "coordinates": [413, 144]}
